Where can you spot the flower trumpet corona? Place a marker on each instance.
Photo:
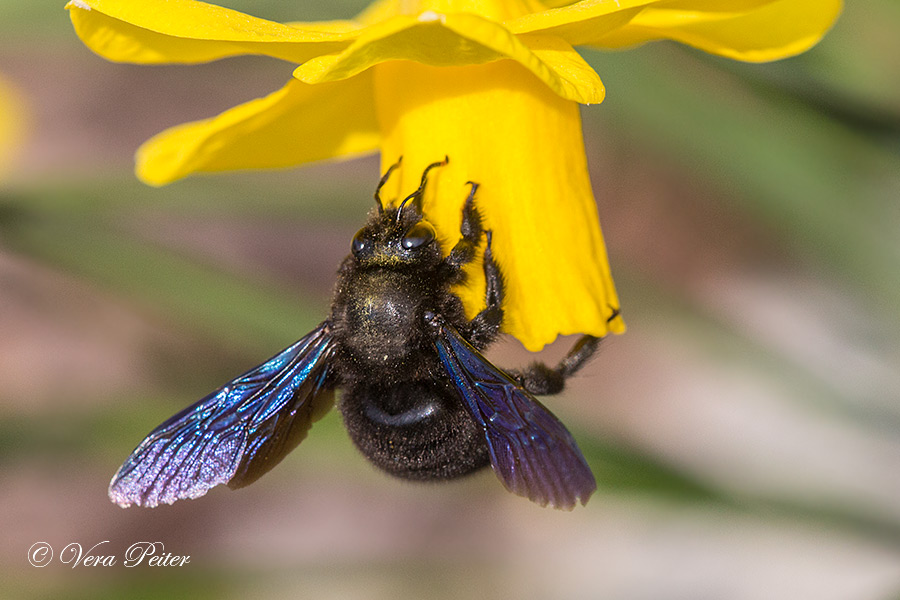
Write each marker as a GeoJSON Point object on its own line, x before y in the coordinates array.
{"type": "Point", "coordinates": [494, 84]}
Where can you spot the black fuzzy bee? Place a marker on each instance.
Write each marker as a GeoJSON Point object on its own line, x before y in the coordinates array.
{"type": "Point", "coordinates": [418, 398]}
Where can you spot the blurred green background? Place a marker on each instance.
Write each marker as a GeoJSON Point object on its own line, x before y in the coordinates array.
{"type": "Point", "coordinates": [745, 432]}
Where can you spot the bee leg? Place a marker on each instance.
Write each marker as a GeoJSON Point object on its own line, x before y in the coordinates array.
{"type": "Point", "coordinates": [541, 380]}
{"type": "Point", "coordinates": [484, 328]}
{"type": "Point", "coordinates": [464, 251]}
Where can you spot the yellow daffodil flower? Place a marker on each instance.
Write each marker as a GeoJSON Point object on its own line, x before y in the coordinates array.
{"type": "Point", "coordinates": [12, 115]}
{"type": "Point", "coordinates": [493, 84]}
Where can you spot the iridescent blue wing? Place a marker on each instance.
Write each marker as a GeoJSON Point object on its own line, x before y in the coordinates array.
{"type": "Point", "coordinates": [532, 453]}
{"type": "Point", "coordinates": [235, 434]}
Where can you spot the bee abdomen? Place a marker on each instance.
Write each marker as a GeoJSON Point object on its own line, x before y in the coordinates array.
{"type": "Point", "coordinates": [417, 430]}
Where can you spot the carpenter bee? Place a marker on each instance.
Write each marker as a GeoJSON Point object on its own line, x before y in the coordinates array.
{"type": "Point", "coordinates": [418, 398]}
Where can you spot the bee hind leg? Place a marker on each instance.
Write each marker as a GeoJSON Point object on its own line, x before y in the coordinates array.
{"type": "Point", "coordinates": [541, 380]}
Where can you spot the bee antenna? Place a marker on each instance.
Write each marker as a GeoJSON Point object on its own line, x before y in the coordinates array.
{"type": "Point", "coordinates": [381, 183]}
{"type": "Point", "coordinates": [417, 195]}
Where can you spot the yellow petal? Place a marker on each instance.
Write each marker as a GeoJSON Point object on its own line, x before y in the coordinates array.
{"type": "Point", "coordinates": [748, 30]}
{"type": "Point", "coordinates": [503, 128]}
{"type": "Point", "coordinates": [581, 22]}
{"type": "Point", "coordinates": [185, 31]}
{"type": "Point", "coordinates": [297, 124]}
{"type": "Point", "coordinates": [495, 10]}
{"type": "Point", "coordinates": [459, 39]}
{"type": "Point", "coordinates": [378, 11]}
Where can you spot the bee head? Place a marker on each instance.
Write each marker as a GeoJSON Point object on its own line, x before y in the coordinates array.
{"type": "Point", "coordinates": [398, 236]}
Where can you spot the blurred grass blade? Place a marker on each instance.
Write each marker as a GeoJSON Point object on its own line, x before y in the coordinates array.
{"type": "Point", "coordinates": [219, 305]}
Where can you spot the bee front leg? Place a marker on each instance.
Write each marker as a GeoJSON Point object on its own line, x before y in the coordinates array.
{"type": "Point", "coordinates": [485, 327]}
{"type": "Point", "coordinates": [464, 251]}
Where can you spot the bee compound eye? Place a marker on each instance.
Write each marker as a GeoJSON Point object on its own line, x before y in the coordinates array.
{"type": "Point", "coordinates": [418, 235]}
{"type": "Point", "coordinates": [359, 242]}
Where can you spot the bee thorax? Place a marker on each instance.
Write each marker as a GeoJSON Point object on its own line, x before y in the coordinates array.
{"type": "Point", "coordinates": [382, 319]}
